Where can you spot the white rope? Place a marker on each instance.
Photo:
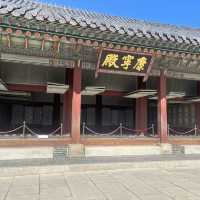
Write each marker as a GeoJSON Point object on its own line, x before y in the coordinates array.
{"type": "Point", "coordinates": [140, 131]}
{"type": "Point", "coordinates": [181, 133]}
{"type": "Point", "coordinates": [136, 130]}
{"type": "Point", "coordinates": [11, 131]}
{"type": "Point", "coordinates": [117, 129]}
{"type": "Point", "coordinates": [31, 131]}
{"type": "Point", "coordinates": [34, 133]}
{"type": "Point", "coordinates": [53, 132]}
{"type": "Point", "coordinates": [102, 134]}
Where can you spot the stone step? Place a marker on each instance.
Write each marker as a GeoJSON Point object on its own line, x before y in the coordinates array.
{"type": "Point", "coordinates": [178, 149]}
{"type": "Point", "coordinates": [60, 152]}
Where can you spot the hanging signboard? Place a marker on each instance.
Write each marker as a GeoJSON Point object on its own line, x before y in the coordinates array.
{"type": "Point", "coordinates": [123, 62]}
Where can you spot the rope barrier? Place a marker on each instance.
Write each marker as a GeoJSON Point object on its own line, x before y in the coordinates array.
{"type": "Point", "coordinates": [140, 130]}
{"type": "Point", "coordinates": [55, 131]}
{"type": "Point", "coordinates": [25, 127]}
{"type": "Point", "coordinates": [136, 130]}
{"type": "Point", "coordinates": [120, 128]}
{"type": "Point", "coordinates": [181, 133]}
{"type": "Point", "coordinates": [109, 133]}
{"type": "Point", "coordinates": [11, 131]}
{"type": "Point", "coordinates": [34, 133]}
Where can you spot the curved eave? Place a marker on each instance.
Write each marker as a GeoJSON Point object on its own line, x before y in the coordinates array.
{"type": "Point", "coordinates": [29, 10]}
{"type": "Point", "coordinates": [88, 33]}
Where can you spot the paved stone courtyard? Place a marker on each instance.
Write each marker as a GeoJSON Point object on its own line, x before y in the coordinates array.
{"type": "Point", "coordinates": [137, 184]}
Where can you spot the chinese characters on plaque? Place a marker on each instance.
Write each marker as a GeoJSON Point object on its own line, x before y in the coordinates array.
{"type": "Point", "coordinates": [115, 61]}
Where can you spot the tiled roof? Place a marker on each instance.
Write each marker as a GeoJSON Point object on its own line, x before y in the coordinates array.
{"type": "Point", "coordinates": [44, 12]}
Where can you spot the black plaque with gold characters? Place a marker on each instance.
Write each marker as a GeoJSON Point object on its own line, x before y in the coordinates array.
{"type": "Point", "coordinates": [122, 62]}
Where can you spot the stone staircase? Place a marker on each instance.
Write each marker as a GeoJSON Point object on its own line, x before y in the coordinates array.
{"type": "Point", "coordinates": [178, 149]}
{"type": "Point", "coordinates": [61, 153]}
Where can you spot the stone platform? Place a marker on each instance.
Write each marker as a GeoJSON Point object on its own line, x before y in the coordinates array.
{"type": "Point", "coordinates": [85, 151]}
{"type": "Point", "coordinates": [80, 164]}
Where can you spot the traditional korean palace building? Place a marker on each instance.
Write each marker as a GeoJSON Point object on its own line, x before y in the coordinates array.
{"type": "Point", "coordinates": [70, 76]}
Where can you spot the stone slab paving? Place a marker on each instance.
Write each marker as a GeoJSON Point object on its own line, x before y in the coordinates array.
{"type": "Point", "coordinates": [128, 184]}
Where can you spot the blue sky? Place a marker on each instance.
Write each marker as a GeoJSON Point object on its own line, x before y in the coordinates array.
{"type": "Point", "coordinates": [178, 12]}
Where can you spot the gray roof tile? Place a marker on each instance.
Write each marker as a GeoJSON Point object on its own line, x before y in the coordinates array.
{"type": "Point", "coordinates": [44, 12]}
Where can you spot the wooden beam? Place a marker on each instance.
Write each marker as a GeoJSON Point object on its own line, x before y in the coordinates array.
{"type": "Point", "coordinates": [26, 87]}
{"type": "Point", "coordinates": [113, 93]}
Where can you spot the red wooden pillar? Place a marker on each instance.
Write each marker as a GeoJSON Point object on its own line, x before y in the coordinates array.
{"type": "Point", "coordinates": [72, 105]}
{"type": "Point", "coordinates": [76, 106]}
{"type": "Point", "coordinates": [141, 108]}
{"type": "Point", "coordinates": [162, 109]}
{"type": "Point", "coordinates": [141, 113]}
